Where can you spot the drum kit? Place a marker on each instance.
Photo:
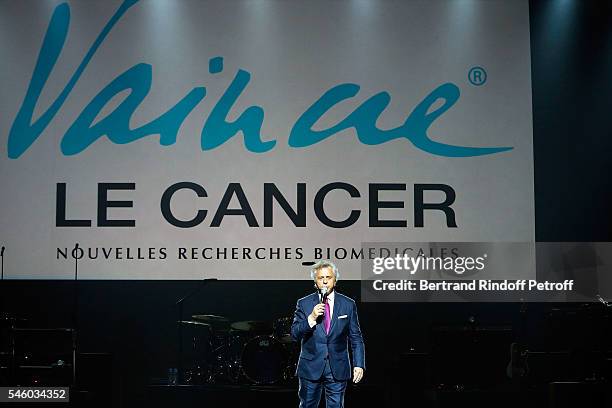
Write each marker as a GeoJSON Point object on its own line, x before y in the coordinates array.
{"type": "Point", "coordinates": [242, 352]}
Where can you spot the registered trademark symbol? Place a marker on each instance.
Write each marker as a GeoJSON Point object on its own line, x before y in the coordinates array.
{"type": "Point", "coordinates": [477, 76]}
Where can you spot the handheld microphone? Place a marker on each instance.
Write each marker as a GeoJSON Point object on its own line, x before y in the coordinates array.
{"type": "Point", "coordinates": [324, 293]}
{"type": "Point", "coordinates": [2, 252]}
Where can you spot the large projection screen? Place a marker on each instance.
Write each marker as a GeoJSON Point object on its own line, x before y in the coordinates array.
{"type": "Point", "coordinates": [302, 129]}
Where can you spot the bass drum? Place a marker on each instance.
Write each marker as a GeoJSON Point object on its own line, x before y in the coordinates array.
{"type": "Point", "coordinates": [264, 360]}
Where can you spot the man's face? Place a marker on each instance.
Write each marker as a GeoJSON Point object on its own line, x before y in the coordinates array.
{"type": "Point", "coordinates": [325, 277]}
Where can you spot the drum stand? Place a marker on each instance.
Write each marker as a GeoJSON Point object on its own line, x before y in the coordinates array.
{"type": "Point", "coordinates": [179, 303]}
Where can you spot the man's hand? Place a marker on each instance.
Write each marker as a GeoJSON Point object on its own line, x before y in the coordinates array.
{"type": "Point", "coordinates": [357, 374]}
{"type": "Point", "coordinates": [318, 310]}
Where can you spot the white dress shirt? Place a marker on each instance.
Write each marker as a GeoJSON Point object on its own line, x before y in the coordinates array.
{"type": "Point", "coordinates": [330, 301]}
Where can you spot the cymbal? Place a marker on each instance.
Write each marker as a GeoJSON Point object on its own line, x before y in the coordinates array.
{"type": "Point", "coordinates": [285, 339]}
{"type": "Point", "coordinates": [194, 323]}
{"type": "Point", "coordinates": [252, 325]}
{"type": "Point", "coordinates": [11, 319]}
{"type": "Point", "coordinates": [11, 316]}
{"type": "Point", "coordinates": [209, 318]}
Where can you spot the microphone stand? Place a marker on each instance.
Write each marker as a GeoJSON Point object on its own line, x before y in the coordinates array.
{"type": "Point", "coordinates": [75, 309]}
{"type": "Point", "coordinates": [2, 256]}
{"type": "Point", "coordinates": [2, 280]}
{"type": "Point", "coordinates": [179, 303]}
{"type": "Point", "coordinates": [4, 315]}
{"type": "Point", "coordinates": [601, 300]}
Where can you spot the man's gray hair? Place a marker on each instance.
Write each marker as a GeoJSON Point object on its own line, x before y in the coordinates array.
{"type": "Point", "coordinates": [324, 264]}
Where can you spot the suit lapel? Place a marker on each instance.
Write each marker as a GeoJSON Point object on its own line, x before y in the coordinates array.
{"type": "Point", "coordinates": [336, 312]}
{"type": "Point", "coordinates": [338, 309]}
{"type": "Point", "coordinates": [318, 327]}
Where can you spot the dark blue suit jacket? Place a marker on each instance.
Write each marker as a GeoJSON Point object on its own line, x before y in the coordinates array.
{"type": "Point", "coordinates": [316, 345]}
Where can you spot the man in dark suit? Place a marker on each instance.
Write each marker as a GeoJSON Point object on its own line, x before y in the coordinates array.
{"type": "Point", "coordinates": [326, 322]}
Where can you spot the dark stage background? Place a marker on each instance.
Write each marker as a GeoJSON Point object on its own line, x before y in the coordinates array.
{"type": "Point", "coordinates": [131, 323]}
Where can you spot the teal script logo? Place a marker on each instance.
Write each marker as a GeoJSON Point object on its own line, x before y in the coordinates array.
{"type": "Point", "coordinates": [217, 129]}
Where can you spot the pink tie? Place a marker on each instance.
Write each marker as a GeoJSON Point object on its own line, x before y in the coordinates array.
{"type": "Point", "coordinates": [327, 319]}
